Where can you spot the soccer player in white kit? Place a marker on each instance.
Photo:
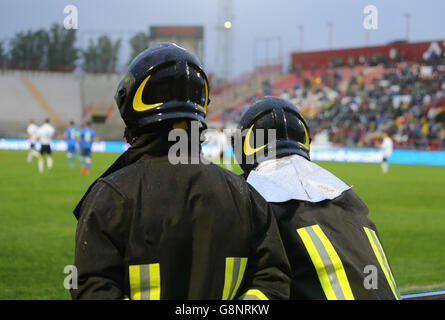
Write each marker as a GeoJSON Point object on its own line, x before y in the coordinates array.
{"type": "Point", "coordinates": [223, 141]}
{"type": "Point", "coordinates": [45, 133]}
{"type": "Point", "coordinates": [31, 134]}
{"type": "Point", "coordinates": [386, 147]}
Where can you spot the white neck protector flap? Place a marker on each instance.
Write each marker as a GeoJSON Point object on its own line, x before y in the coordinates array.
{"type": "Point", "coordinates": [294, 177]}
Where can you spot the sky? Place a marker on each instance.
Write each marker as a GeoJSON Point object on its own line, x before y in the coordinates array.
{"type": "Point", "coordinates": [261, 29]}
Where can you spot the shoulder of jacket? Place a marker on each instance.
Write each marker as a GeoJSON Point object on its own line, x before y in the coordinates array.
{"type": "Point", "coordinates": [228, 175]}
{"type": "Point", "coordinates": [104, 184]}
{"type": "Point", "coordinates": [119, 180]}
{"type": "Point", "coordinates": [354, 200]}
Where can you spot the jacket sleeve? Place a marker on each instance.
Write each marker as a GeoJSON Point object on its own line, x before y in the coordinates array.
{"type": "Point", "coordinates": [98, 248]}
{"type": "Point", "coordinates": [268, 270]}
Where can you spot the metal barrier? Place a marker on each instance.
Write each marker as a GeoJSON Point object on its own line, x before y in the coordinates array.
{"type": "Point", "coordinates": [427, 295]}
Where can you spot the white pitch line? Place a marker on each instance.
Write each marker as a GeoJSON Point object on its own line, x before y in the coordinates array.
{"type": "Point", "coordinates": [418, 288]}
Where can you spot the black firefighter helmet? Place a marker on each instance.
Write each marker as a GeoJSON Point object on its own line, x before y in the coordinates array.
{"type": "Point", "coordinates": [162, 83]}
{"type": "Point", "coordinates": [291, 135]}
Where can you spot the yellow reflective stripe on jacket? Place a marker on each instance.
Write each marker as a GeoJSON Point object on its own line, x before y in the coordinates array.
{"type": "Point", "coordinates": [253, 294]}
{"type": "Point", "coordinates": [234, 272]}
{"type": "Point", "coordinates": [145, 282]}
{"type": "Point", "coordinates": [327, 263]}
{"type": "Point", "coordinates": [155, 281]}
{"type": "Point", "coordinates": [381, 257]}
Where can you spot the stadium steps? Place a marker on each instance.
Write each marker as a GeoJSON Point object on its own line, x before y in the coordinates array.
{"type": "Point", "coordinates": [37, 96]}
{"type": "Point", "coordinates": [42, 101]}
{"type": "Point", "coordinates": [63, 94]}
{"type": "Point", "coordinates": [18, 104]}
{"type": "Point", "coordinates": [236, 93]}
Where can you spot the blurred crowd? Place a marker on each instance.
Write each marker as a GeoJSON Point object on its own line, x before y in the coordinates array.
{"type": "Point", "coordinates": [355, 105]}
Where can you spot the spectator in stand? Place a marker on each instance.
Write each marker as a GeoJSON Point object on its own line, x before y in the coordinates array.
{"type": "Point", "coordinates": [403, 98]}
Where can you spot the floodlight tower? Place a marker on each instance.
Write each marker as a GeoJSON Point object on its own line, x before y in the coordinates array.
{"type": "Point", "coordinates": [408, 18]}
{"type": "Point", "coordinates": [330, 26]}
{"type": "Point", "coordinates": [224, 29]}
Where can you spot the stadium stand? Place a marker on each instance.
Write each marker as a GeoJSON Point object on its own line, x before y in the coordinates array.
{"type": "Point", "coordinates": [37, 96]}
{"type": "Point", "coordinates": [98, 105]}
{"type": "Point", "coordinates": [349, 101]}
{"type": "Point", "coordinates": [61, 93]}
{"type": "Point", "coordinates": [61, 97]}
{"type": "Point", "coordinates": [17, 101]}
{"type": "Point", "coordinates": [354, 104]}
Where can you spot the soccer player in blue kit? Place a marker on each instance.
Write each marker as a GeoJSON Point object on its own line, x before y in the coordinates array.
{"type": "Point", "coordinates": [86, 138]}
{"type": "Point", "coordinates": [70, 136]}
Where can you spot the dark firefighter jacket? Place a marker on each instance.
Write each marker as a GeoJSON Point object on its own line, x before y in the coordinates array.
{"type": "Point", "coordinates": [334, 250]}
{"type": "Point", "coordinates": [148, 229]}
{"type": "Point", "coordinates": [333, 247]}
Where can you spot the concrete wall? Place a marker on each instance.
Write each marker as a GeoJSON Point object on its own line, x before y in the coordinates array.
{"type": "Point", "coordinates": [59, 96]}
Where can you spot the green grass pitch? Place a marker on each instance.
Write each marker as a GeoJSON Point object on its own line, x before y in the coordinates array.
{"type": "Point", "coordinates": [37, 227]}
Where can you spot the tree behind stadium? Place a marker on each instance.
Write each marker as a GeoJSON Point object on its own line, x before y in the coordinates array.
{"type": "Point", "coordinates": [28, 50]}
{"type": "Point", "coordinates": [3, 56]}
{"type": "Point", "coordinates": [62, 53]}
{"type": "Point", "coordinates": [101, 56]}
{"type": "Point", "coordinates": [138, 43]}
{"type": "Point", "coordinates": [52, 50]}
